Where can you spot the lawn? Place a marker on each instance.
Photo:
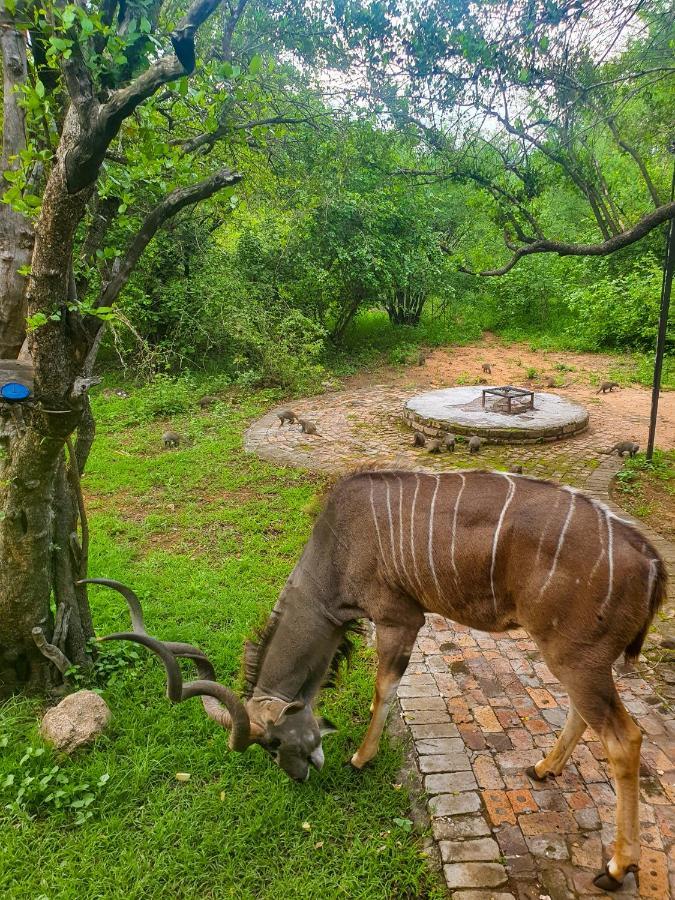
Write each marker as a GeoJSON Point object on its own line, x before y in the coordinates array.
{"type": "Point", "coordinates": [207, 537]}
{"type": "Point", "coordinates": [647, 490]}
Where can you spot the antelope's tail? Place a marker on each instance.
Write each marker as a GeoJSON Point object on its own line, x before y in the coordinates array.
{"type": "Point", "coordinates": [659, 589]}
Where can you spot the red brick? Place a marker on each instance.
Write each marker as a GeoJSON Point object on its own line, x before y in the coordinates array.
{"type": "Point", "coordinates": [498, 807]}
{"type": "Point", "coordinates": [499, 741]}
{"type": "Point", "coordinates": [459, 710]}
{"type": "Point", "coordinates": [522, 801]}
{"type": "Point", "coordinates": [587, 851]}
{"type": "Point", "coordinates": [473, 737]}
{"type": "Point", "coordinates": [543, 698]}
{"type": "Point", "coordinates": [536, 726]}
{"type": "Point", "coordinates": [486, 718]}
{"type": "Point", "coordinates": [507, 718]}
{"type": "Point", "coordinates": [578, 800]}
{"type": "Point", "coordinates": [653, 874]}
{"type": "Point", "coordinates": [539, 823]}
{"type": "Point", "coordinates": [520, 738]}
{"type": "Point", "coordinates": [487, 773]}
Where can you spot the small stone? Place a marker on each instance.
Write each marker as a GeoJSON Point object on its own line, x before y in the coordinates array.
{"type": "Point", "coordinates": [76, 721]}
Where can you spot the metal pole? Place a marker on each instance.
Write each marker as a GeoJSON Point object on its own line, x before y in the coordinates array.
{"type": "Point", "coordinates": [668, 267]}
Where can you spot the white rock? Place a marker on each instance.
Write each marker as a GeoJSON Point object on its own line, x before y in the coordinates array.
{"type": "Point", "coordinates": [75, 721]}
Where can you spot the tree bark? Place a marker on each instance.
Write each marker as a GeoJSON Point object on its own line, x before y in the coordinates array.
{"type": "Point", "coordinates": [16, 231]}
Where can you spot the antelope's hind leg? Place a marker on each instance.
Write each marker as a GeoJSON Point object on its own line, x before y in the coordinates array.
{"type": "Point", "coordinates": [394, 646]}
{"type": "Point", "coordinates": [622, 738]}
{"type": "Point", "coordinates": [554, 761]}
{"type": "Point", "coordinates": [594, 700]}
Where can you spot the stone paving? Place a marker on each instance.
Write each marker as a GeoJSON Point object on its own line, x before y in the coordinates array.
{"type": "Point", "coordinates": [482, 707]}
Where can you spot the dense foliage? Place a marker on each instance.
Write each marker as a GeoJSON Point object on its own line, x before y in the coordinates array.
{"type": "Point", "coordinates": [341, 212]}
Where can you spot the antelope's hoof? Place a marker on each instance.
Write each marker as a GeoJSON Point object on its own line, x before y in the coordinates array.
{"type": "Point", "coordinates": [531, 772]}
{"type": "Point", "coordinates": [607, 882]}
{"type": "Point", "coordinates": [359, 764]}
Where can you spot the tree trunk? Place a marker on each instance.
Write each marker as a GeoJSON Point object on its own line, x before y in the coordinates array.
{"type": "Point", "coordinates": [38, 551]}
{"type": "Point", "coordinates": [16, 231]}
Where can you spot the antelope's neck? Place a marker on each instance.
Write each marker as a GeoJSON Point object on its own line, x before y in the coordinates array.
{"type": "Point", "coordinates": [300, 651]}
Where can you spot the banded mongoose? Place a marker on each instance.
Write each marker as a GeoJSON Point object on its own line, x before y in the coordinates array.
{"type": "Point", "coordinates": [487, 368]}
{"type": "Point", "coordinates": [474, 444]}
{"type": "Point", "coordinates": [419, 440]}
{"type": "Point", "coordinates": [434, 446]}
{"type": "Point", "coordinates": [307, 427]}
{"type": "Point", "coordinates": [550, 382]}
{"type": "Point", "coordinates": [516, 470]}
{"type": "Point", "coordinates": [207, 401]}
{"type": "Point", "coordinates": [287, 415]}
{"type": "Point", "coordinates": [170, 439]}
{"type": "Point", "coordinates": [629, 447]}
{"type": "Point", "coordinates": [450, 443]}
{"type": "Point", "coordinates": [607, 386]}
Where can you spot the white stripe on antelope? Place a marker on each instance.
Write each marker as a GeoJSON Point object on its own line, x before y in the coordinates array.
{"type": "Point", "coordinates": [481, 555]}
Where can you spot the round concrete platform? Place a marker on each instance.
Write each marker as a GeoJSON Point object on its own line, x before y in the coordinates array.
{"type": "Point", "coordinates": [459, 410]}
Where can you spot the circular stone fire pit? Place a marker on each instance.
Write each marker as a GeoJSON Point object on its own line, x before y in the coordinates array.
{"type": "Point", "coordinates": [460, 410]}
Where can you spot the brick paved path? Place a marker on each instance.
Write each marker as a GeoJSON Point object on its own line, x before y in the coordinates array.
{"type": "Point", "coordinates": [482, 707]}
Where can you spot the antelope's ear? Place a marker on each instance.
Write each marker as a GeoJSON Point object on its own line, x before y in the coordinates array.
{"type": "Point", "coordinates": [273, 711]}
{"type": "Point", "coordinates": [325, 727]}
{"type": "Point", "coordinates": [290, 709]}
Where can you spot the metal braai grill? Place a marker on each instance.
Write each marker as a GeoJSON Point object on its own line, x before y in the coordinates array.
{"type": "Point", "coordinates": [508, 399]}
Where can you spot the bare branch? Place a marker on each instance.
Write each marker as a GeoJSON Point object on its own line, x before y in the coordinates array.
{"type": "Point", "coordinates": [618, 242]}
{"type": "Point", "coordinates": [172, 204]}
{"type": "Point", "coordinates": [52, 652]}
{"type": "Point", "coordinates": [209, 138]}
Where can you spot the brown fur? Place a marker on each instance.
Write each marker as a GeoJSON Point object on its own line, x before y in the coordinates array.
{"type": "Point", "coordinates": [475, 443]}
{"type": "Point", "coordinates": [487, 368]}
{"type": "Point", "coordinates": [307, 427]}
{"type": "Point", "coordinates": [607, 386]}
{"type": "Point", "coordinates": [434, 446]}
{"type": "Point", "coordinates": [629, 447]}
{"type": "Point", "coordinates": [170, 439]}
{"type": "Point", "coordinates": [419, 439]}
{"type": "Point", "coordinates": [287, 415]}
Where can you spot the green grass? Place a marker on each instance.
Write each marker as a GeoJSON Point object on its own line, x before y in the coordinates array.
{"type": "Point", "coordinates": [207, 537]}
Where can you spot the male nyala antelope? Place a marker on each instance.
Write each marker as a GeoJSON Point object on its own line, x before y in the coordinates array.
{"type": "Point", "coordinates": [491, 550]}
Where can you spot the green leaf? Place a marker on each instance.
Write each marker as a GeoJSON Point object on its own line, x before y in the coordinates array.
{"type": "Point", "coordinates": [39, 89]}
{"type": "Point", "coordinates": [255, 66]}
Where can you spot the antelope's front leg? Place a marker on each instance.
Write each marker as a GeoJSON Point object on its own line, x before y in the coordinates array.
{"type": "Point", "coordinates": [394, 646]}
